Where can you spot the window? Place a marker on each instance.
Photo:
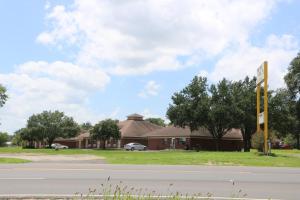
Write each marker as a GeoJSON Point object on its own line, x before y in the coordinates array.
{"type": "Point", "coordinates": [182, 140]}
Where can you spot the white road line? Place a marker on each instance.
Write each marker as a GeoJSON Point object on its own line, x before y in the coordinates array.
{"type": "Point", "coordinates": [58, 169]}
{"type": "Point", "coordinates": [17, 178]}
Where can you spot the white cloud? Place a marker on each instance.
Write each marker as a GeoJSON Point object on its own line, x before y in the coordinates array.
{"type": "Point", "coordinates": [114, 114]}
{"type": "Point", "coordinates": [148, 114]}
{"type": "Point", "coordinates": [150, 89]}
{"type": "Point", "coordinates": [45, 38]}
{"type": "Point", "coordinates": [37, 86]}
{"type": "Point", "coordinates": [139, 37]}
{"type": "Point", "coordinates": [244, 61]}
{"type": "Point", "coordinates": [203, 73]}
{"type": "Point", "coordinates": [47, 5]}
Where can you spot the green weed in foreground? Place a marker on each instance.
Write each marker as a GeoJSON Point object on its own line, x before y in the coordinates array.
{"type": "Point", "coordinates": [12, 160]}
{"type": "Point", "coordinates": [281, 158]}
{"type": "Point", "coordinates": [121, 191]}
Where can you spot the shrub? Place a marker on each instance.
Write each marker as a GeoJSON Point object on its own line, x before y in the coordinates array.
{"type": "Point", "coordinates": [257, 140]}
{"type": "Point", "coordinates": [290, 140]}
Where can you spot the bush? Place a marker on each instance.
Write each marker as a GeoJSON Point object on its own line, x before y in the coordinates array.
{"type": "Point", "coordinates": [290, 140]}
{"type": "Point", "coordinates": [257, 140]}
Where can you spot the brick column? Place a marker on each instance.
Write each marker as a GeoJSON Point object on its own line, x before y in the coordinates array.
{"type": "Point", "coordinates": [86, 143]}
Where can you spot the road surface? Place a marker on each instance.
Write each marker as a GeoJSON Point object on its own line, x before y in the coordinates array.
{"type": "Point", "coordinates": [78, 177]}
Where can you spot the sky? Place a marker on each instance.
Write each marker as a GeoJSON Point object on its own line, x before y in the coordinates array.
{"type": "Point", "coordinates": [107, 59]}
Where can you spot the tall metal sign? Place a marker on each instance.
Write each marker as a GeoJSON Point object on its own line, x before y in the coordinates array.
{"type": "Point", "coordinates": [262, 117]}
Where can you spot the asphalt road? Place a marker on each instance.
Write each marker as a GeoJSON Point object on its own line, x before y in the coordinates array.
{"type": "Point", "coordinates": [70, 178]}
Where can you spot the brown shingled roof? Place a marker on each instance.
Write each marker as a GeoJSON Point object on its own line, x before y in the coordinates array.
{"type": "Point", "coordinates": [172, 131]}
{"type": "Point", "coordinates": [135, 116]}
{"type": "Point", "coordinates": [233, 134]}
{"type": "Point", "coordinates": [136, 128]}
{"type": "Point", "coordinates": [83, 135]}
{"type": "Point", "coordinates": [80, 136]}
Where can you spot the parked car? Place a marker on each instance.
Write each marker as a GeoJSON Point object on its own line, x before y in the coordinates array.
{"type": "Point", "coordinates": [135, 146]}
{"type": "Point", "coordinates": [59, 146]}
{"type": "Point", "coordinates": [285, 146]}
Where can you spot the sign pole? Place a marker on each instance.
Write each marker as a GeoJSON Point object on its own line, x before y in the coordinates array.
{"type": "Point", "coordinates": [266, 107]}
{"type": "Point", "coordinates": [262, 118]}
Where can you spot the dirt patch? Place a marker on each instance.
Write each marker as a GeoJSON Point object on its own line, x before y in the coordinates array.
{"type": "Point", "coordinates": [55, 158]}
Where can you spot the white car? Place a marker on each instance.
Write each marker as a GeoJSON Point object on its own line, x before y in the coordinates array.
{"type": "Point", "coordinates": [135, 146]}
{"type": "Point", "coordinates": [59, 146]}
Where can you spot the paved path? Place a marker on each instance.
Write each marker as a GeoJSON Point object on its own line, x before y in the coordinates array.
{"type": "Point", "coordinates": [69, 178]}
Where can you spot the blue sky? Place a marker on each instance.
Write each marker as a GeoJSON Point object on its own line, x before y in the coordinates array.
{"type": "Point", "coordinates": [101, 59]}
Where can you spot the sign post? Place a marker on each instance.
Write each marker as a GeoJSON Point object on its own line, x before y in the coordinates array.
{"type": "Point", "coordinates": [262, 118]}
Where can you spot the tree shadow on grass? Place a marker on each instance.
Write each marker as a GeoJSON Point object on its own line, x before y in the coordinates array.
{"type": "Point", "coordinates": [272, 155]}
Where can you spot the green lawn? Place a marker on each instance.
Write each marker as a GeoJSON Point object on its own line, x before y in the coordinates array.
{"type": "Point", "coordinates": [12, 160]}
{"type": "Point", "coordinates": [281, 158]}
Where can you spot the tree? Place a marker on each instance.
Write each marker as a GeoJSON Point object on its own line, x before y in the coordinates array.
{"type": "Point", "coordinates": [27, 137]}
{"type": "Point", "coordinates": [17, 140]}
{"type": "Point", "coordinates": [105, 130]}
{"type": "Point", "coordinates": [245, 116]}
{"type": "Point", "coordinates": [292, 80]}
{"type": "Point", "coordinates": [190, 106]}
{"type": "Point", "coordinates": [3, 139]}
{"type": "Point", "coordinates": [222, 111]}
{"type": "Point", "coordinates": [51, 125]}
{"type": "Point", "coordinates": [282, 113]}
{"type": "Point", "coordinates": [195, 108]}
{"type": "Point", "coordinates": [157, 121]}
{"type": "Point", "coordinates": [3, 95]}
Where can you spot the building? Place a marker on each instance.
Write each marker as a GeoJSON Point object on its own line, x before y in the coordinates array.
{"type": "Point", "coordinates": [136, 129]}
{"type": "Point", "coordinates": [182, 138]}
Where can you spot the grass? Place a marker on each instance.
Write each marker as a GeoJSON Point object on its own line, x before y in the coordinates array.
{"type": "Point", "coordinates": [120, 191]}
{"type": "Point", "coordinates": [279, 158]}
{"type": "Point", "coordinates": [12, 160]}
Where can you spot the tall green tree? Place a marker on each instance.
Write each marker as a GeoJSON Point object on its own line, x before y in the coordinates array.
{"type": "Point", "coordinates": [292, 80]}
{"type": "Point", "coordinates": [157, 121]}
{"type": "Point", "coordinates": [244, 98]}
{"type": "Point", "coordinates": [105, 130]}
{"type": "Point", "coordinates": [222, 110]}
{"type": "Point", "coordinates": [282, 113]}
{"type": "Point", "coordinates": [17, 140]}
{"type": "Point", "coordinates": [197, 106]}
{"type": "Point", "coordinates": [190, 106]}
{"type": "Point", "coordinates": [3, 139]}
{"type": "Point", "coordinates": [3, 95]}
{"type": "Point", "coordinates": [51, 125]}
{"type": "Point", "coordinates": [28, 138]}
